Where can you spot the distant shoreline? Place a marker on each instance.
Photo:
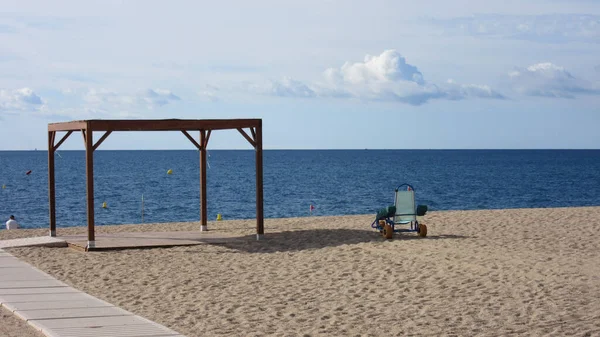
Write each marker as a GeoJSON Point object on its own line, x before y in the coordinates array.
{"type": "Point", "coordinates": [2, 228]}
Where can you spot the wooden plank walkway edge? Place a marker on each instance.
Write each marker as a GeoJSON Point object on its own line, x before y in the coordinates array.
{"type": "Point", "coordinates": [57, 310]}
{"type": "Point", "coordinates": [45, 241]}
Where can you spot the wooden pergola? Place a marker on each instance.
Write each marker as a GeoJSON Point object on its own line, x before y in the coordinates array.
{"type": "Point", "coordinates": [205, 127]}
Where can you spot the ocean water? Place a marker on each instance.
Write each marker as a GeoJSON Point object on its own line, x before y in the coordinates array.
{"type": "Point", "coordinates": [336, 182]}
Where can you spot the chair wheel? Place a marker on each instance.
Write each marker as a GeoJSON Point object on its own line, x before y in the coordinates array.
{"type": "Point", "coordinates": [388, 231]}
{"type": "Point", "coordinates": [422, 230]}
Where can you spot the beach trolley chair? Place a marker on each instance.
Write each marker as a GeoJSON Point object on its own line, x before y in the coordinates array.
{"type": "Point", "coordinates": [404, 211]}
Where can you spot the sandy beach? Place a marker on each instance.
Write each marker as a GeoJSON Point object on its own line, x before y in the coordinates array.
{"type": "Point", "coordinates": [478, 273]}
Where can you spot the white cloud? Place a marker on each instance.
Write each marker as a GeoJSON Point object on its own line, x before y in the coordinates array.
{"type": "Point", "coordinates": [209, 93]}
{"type": "Point", "coordinates": [104, 103]}
{"type": "Point", "coordinates": [105, 96]}
{"type": "Point", "coordinates": [28, 96]}
{"type": "Point", "coordinates": [151, 98]}
{"type": "Point", "coordinates": [389, 66]}
{"type": "Point", "coordinates": [23, 99]}
{"type": "Point", "coordinates": [457, 91]}
{"type": "Point", "coordinates": [549, 80]}
{"type": "Point", "coordinates": [209, 96]}
{"type": "Point", "coordinates": [158, 97]}
{"type": "Point", "coordinates": [288, 87]}
{"type": "Point", "coordinates": [386, 77]}
{"type": "Point", "coordinates": [87, 113]}
{"type": "Point", "coordinates": [554, 28]}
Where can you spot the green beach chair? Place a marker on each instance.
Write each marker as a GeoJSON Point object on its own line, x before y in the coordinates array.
{"type": "Point", "coordinates": [407, 210]}
{"type": "Point", "coordinates": [404, 211]}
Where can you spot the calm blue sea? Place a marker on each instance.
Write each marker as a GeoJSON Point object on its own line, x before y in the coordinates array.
{"type": "Point", "coordinates": [336, 182]}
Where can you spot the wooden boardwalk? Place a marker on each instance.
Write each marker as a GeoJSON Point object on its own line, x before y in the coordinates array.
{"type": "Point", "coordinates": [58, 310]}
{"type": "Point", "coordinates": [45, 241]}
{"type": "Point", "coordinates": [147, 240]}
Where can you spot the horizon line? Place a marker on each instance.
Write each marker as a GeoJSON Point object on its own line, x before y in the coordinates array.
{"type": "Point", "coordinates": [335, 149]}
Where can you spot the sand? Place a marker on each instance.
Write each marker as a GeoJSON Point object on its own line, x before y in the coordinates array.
{"type": "Point", "coordinates": [12, 326]}
{"type": "Point", "coordinates": [478, 273]}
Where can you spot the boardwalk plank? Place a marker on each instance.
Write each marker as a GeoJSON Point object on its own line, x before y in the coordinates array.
{"type": "Point", "coordinates": [31, 291]}
{"type": "Point", "coordinates": [87, 303]}
{"type": "Point", "coordinates": [141, 330]}
{"type": "Point", "coordinates": [45, 283]}
{"type": "Point", "coordinates": [71, 313]}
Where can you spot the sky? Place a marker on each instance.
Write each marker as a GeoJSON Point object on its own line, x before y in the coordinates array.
{"type": "Point", "coordinates": [322, 74]}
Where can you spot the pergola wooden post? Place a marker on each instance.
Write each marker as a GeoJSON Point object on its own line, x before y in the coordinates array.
{"type": "Point", "coordinates": [88, 134]}
{"type": "Point", "coordinates": [203, 204]}
{"type": "Point", "coordinates": [51, 184]}
{"type": "Point", "coordinates": [259, 181]}
{"type": "Point", "coordinates": [205, 128]}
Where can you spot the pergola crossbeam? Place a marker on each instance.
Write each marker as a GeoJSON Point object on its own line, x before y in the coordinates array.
{"type": "Point", "coordinates": [207, 138]}
{"type": "Point", "coordinates": [106, 134]}
{"type": "Point", "coordinates": [252, 142]}
{"type": "Point", "coordinates": [62, 140]}
{"type": "Point", "coordinates": [191, 139]}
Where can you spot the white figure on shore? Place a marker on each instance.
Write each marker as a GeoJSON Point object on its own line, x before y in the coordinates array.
{"type": "Point", "coordinates": [12, 223]}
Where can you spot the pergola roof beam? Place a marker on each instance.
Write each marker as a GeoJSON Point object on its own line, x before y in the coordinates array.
{"type": "Point", "coordinates": [67, 126]}
{"type": "Point", "coordinates": [154, 125]}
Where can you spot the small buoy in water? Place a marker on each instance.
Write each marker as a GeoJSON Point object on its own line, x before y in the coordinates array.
{"type": "Point", "coordinates": [219, 217]}
{"type": "Point", "coordinates": [3, 186]}
{"type": "Point", "coordinates": [28, 172]}
{"type": "Point", "coordinates": [170, 171]}
{"type": "Point", "coordinates": [104, 205]}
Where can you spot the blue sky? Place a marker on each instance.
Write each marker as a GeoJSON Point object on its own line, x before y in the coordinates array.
{"type": "Point", "coordinates": [322, 74]}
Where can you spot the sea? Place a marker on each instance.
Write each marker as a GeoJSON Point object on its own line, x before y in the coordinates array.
{"type": "Point", "coordinates": [137, 189]}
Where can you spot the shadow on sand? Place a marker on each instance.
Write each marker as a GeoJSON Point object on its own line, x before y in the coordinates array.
{"type": "Point", "coordinates": [289, 241]}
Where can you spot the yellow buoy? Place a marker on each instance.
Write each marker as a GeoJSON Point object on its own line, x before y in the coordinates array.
{"type": "Point", "coordinates": [170, 171]}
{"type": "Point", "coordinates": [3, 186]}
{"type": "Point", "coordinates": [104, 205]}
{"type": "Point", "coordinates": [219, 217]}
